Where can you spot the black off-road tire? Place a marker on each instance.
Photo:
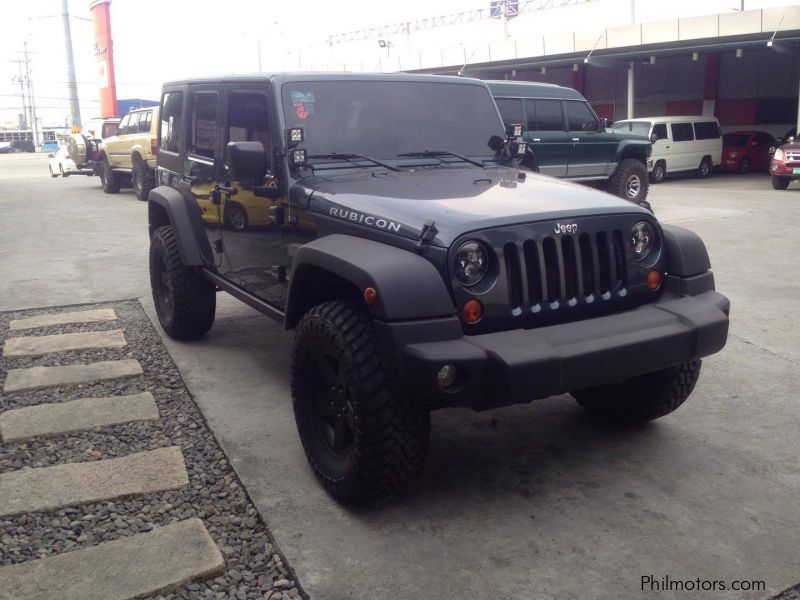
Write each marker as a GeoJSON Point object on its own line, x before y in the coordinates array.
{"type": "Point", "coordinates": [184, 301]}
{"type": "Point", "coordinates": [780, 183]}
{"type": "Point", "coordinates": [642, 398]}
{"type": "Point", "coordinates": [659, 172]}
{"type": "Point", "coordinates": [109, 179]}
{"type": "Point", "coordinates": [705, 169]}
{"type": "Point", "coordinates": [631, 176]}
{"type": "Point", "coordinates": [144, 180]}
{"type": "Point", "coordinates": [384, 437]}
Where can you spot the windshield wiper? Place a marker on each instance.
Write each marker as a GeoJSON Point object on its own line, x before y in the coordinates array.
{"type": "Point", "coordinates": [348, 156]}
{"type": "Point", "coordinates": [437, 153]}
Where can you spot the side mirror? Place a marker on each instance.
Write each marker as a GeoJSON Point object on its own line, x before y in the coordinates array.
{"type": "Point", "coordinates": [246, 159]}
{"type": "Point", "coordinates": [496, 143]}
{"type": "Point", "coordinates": [653, 138]}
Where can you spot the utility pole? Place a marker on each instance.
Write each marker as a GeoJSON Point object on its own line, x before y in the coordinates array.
{"type": "Point", "coordinates": [72, 83]}
{"type": "Point", "coordinates": [21, 80]}
{"type": "Point", "coordinates": [34, 123]}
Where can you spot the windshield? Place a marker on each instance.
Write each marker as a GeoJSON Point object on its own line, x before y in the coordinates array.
{"type": "Point", "coordinates": [735, 139]}
{"type": "Point", "coordinates": [641, 128]}
{"type": "Point", "coordinates": [382, 119]}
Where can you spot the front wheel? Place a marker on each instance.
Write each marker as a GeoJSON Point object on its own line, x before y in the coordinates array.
{"type": "Point", "coordinates": [780, 183]}
{"type": "Point", "coordinates": [185, 302]}
{"type": "Point", "coordinates": [642, 398]}
{"type": "Point", "coordinates": [658, 173]}
{"type": "Point", "coordinates": [235, 216]}
{"type": "Point", "coordinates": [744, 166]}
{"type": "Point", "coordinates": [629, 181]}
{"type": "Point", "coordinates": [363, 441]}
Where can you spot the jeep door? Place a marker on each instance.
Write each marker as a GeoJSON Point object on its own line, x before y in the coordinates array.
{"type": "Point", "coordinates": [547, 137]}
{"type": "Point", "coordinates": [251, 233]}
{"type": "Point", "coordinates": [592, 149]}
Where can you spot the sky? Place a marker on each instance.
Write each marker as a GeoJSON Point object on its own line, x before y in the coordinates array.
{"type": "Point", "coordinates": [159, 40]}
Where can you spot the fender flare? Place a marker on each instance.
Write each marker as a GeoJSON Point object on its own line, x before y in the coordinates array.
{"type": "Point", "coordinates": [192, 242]}
{"type": "Point", "coordinates": [367, 263]}
{"type": "Point", "coordinates": [635, 146]}
{"type": "Point", "coordinates": [686, 254]}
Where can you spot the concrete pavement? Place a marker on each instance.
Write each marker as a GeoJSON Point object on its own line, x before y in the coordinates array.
{"type": "Point", "coordinates": [532, 501]}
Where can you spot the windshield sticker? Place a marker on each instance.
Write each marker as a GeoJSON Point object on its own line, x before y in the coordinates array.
{"type": "Point", "coordinates": [303, 104]}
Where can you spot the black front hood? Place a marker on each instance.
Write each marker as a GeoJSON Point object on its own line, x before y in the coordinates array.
{"type": "Point", "coordinates": [457, 199]}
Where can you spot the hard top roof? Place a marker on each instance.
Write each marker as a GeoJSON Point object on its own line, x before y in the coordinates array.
{"type": "Point", "coordinates": [280, 78]}
{"type": "Point", "coordinates": [532, 89]}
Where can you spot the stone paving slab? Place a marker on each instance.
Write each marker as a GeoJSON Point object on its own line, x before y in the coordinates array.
{"type": "Point", "coordinates": [76, 415]}
{"type": "Point", "coordinates": [39, 377]}
{"type": "Point", "coordinates": [33, 345]}
{"type": "Point", "coordinates": [131, 567]}
{"type": "Point", "coordinates": [81, 316]}
{"type": "Point", "coordinates": [48, 488]}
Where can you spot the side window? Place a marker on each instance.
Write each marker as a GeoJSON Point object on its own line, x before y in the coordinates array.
{"type": "Point", "coordinates": [109, 129]}
{"type": "Point", "coordinates": [579, 116]}
{"type": "Point", "coordinates": [171, 112]}
{"type": "Point", "coordinates": [123, 125]}
{"type": "Point", "coordinates": [682, 132]}
{"type": "Point", "coordinates": [133, 124]}
{"type": "Point", "coordinates": [510, 110]}
{"type": "Point", "coordinates": [706, 130]}
{"type": "Point", "coordinates": [548, 115]}
{"type": "Point", "coordinates": [144, 121]}
{"type": "Point", "coordinates": [530, 108]}
{"type": "Point", "coordinates": [203, 124]}
{"type": "Point", "coordinates": [248, 120]}
{"type": "Point", "coordinates": [660, 131]}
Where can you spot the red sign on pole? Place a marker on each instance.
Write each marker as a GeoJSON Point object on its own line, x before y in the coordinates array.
{"type": "Point", "coordinates": [104, 55]}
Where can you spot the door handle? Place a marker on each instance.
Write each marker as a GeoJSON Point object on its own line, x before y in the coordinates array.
{"type": "Point", "coordinates": [576, 139]}
{"type": "Point", "coordinates": [666, 147]}
{"type": "Point", "coordinates": [537, 139]}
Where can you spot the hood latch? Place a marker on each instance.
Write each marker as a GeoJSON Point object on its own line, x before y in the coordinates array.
{"type": "Point", "coordinates": [426, 236]}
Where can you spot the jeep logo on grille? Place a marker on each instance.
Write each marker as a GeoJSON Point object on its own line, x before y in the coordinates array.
{"type": "Point", "coordinates": [570, 228]}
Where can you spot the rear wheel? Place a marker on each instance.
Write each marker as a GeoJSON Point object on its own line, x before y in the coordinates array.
{"type": "Point", "coordinates": [50, 168]}
{"type": "Point", "coordinates": [185, 302]}
{"type": "Point", "coordinates": [363, 441]}
{"type": "Point", "coordinates": [780, 183]}
{"type": "Point", "coordinates": [641, 398]}
{"type": "Point", "coordinates": [143, 180]}
{"type": "Point", "coordinates": [659, 172]}
{"type": "Point", "coordinates": [109, 179]}
{"type": "Point", "coordinates": [704, 170]}
{"type": "Point", "coordinates": [629, 181]}
{"type": "Point", "coordinates": [235, 216]}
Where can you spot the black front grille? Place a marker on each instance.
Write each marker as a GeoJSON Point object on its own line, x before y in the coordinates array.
{"type": "Point", "coordinates": [566, 270]}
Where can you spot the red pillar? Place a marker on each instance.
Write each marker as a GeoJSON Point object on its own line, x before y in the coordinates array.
{"type": "Point", "coordinates": [579, 77]}
{"type": "Point", "coordinates": [104, 54]}
{"type": "Point", "coordinates": [711, 85]}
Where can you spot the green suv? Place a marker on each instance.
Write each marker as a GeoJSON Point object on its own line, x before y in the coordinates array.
{"type": "Point", "coordinates": [566, 138]}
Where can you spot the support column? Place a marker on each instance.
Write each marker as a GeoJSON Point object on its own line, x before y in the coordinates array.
{"type": "Point", "coordinates": [711, 85]}
{"type": "Point", "coordinates": [104, 55]}
{"type": "Point", "coordinates": [579, 78]}
{"type": "Point", "coordinates": [630, 90]}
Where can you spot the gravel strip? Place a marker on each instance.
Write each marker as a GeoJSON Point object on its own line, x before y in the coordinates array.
{"type": "Point", "coordinates": [255, 568]}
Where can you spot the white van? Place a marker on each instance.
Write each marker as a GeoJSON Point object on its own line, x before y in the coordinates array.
{"type": "Point", "coordinates": [679, 143]}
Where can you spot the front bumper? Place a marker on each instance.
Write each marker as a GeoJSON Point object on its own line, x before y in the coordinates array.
{"type": "Point", "coordinates": [511, 367]}
{"type": "Point", "coordinates": [781, 169]}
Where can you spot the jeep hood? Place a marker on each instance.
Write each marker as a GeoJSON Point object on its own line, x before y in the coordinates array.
{"type": "Point", "coordinates": [457, 199]}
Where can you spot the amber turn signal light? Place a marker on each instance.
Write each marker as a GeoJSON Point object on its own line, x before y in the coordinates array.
{"type": "Point", "coordinates": [370, 295]}
{"type": "Point", "coordinates": [472, 311]}
{"type": "Point", "coordinates": [653, 280]}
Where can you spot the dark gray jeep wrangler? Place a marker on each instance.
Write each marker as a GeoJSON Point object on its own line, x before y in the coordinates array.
{"type": "Point", "coordinates": [385, 219]}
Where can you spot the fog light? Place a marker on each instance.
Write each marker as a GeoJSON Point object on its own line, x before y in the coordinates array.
{"type": "Point", "coordinates": [370, 295]}
{"type": "Point", "coordinates": [653, 280]}
{"type": "Point", "coordinates": [472, 311]}
{"type": "Point", "coordinates": [446, 376]}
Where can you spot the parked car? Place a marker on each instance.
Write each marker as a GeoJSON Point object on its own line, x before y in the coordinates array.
{"type": "Point", "coordinates": [566, 138]}
{"type": "Point", "coordinates": [22, 146]}
{"type": "Point", "coordinates": [680, 144]}
{"type": "Point", "coordinates": [61, 162]}
{"type": "Point", "coordinates": [50, 146]}
{"type": "Point", "coordinates": [84, 147]}
{"type": "Point", "coordinates": [785, 165]}
{"type": "Point", "coordinates": [129, 157]}
{"type": "Point", "coordinates": [745, 151]}
{"type": "Point", "coordinates": [419, 265]}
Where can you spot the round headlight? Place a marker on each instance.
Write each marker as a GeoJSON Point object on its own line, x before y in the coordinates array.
{"type": "Point", "coordinates": [732, 155]}
{"type": "Point", "coordinates": [471, 263]}
{"type": "Point", "coordinates": [642, 239]}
